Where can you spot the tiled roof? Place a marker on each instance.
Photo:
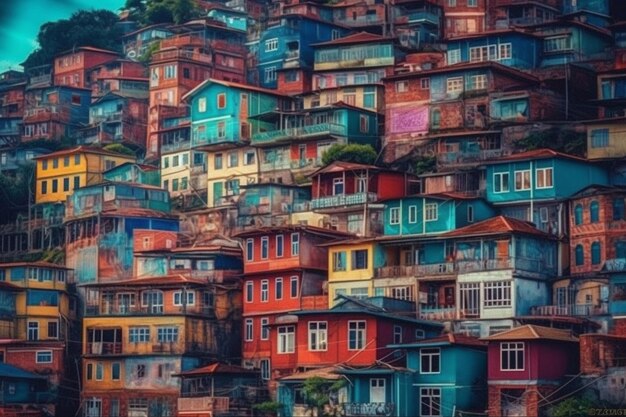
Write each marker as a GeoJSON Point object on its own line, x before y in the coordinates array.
{"type": "Point", "coordinates": [84, 149]}
{"type": "Point", "coordinates": [39, 264]}
{"type": "Point", "coordinates": [87, 48]}
{"type": "Point", "coordinates": [496, 225]}
{"type": "Point", "coordinates": [340, 166]}
{"type": "Point", "coordinates": [543, 153]}
{"type": "Point", "coordinates": [324, 373]}
{"type": "Point", "coordinates": [361, 37]}
{"type": "Point", "coordinates": [165, 280]}
{"type": "Point", "coordinates": [453, 339]}
{"type": "Point", "coordinates": [217, 368]}
{"type": "Point", "coordinates": [533, 332]}
{"type": "Point", "coordinates": [206, 82]}
{"type": "Point", "coordinates": [294, 228]}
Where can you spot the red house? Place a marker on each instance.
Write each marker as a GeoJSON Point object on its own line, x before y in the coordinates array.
{"type": "Point", "coordinates": [346, 191]}
{"type": "Point", "coordinates": [284, 271]}
{"type": "Point", "coordinates": [70, 68]}
{"type": "Point", "coordinates": [525, 364]}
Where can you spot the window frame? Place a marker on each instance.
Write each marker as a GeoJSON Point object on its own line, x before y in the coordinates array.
{"type": "Point", "coordinates": [319, 343]}
{"type": "Point", "coordinates": [522, 173]}
{"type": "Point", "coordinates": [542, 173]}
{"type": "Point", "coordinates": [38, 358]}
{"type": "Point", "coordinates": [286, 340]}
{"type": "Point", "coordinates": [433, 357]}
{"type": "Point", "coordinates": [512, 350]}
{"type": "Point", "coordinates": [501, 182]}
{"type": "Point", "coordinates": [360, 334]}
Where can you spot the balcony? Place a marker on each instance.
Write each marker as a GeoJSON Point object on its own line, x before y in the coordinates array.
{"type": "Point", "coordinates": [46, 112]}
{"type": "Point", "coordinates": [582, 310]}
{"type": "Point", "coordinates": [437, 313]}
{"type": "Point", "coordinates": [483, 265]}
{"type": "Point", "coordinates": [343, 200]}
{"type": "Point", "coordinates": [103, 309]}
{"type": "Point", "coordinates": [181, 54]}
{"type": "Point", "coordinates": [418, 17]}
{"type": "Point", "coordinates": [197, 404]}
{"type": "Point", "coordinates": [395, 271]}
{"type": "Point", "coordinates": [303, 132]}
{"type": "Point", "coordinates": [461, 158]}
{"type": "Point", "coordinates": [615, 265]}
{"type": "Point", "coordinates": [104, 348]}
{"type": "Point", "coordinates": [175, 146]}
{"type": "Point", "coordinates": [368, 409]}
{"type": "Point", "coordinates": [364, 20]}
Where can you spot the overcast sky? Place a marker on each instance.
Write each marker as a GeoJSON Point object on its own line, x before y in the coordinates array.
{"type": "Point", "coordinates": [20, 21]}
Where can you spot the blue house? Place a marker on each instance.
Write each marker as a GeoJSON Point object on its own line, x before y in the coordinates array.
{"type": "Point", "coordinates": [510, 47]}
{"type": "Point", "coordinates": [23, 387]}
{"type": "Point", "coordinates": [289, 44]}
{"type": "Point", "coordinates": [134, 173]}
{"type": "Point", "coordinates": [615, 269]}
{"type": "Point", "coordinates": [233, 19]}
{"type": "Point", "coordinates": [594, 12]}
{"type": "Point", "coordinates": [449, 376]}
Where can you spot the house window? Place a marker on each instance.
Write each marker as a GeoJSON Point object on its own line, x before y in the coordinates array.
{"type": "Point", "coordinates": [424, 83]}
{"type": "Point", "coordinates": [397, 334]}
{"type": "Point", "coordinates": [221, 101]}
{"type": "Point", "coordinates": [394, 215]}
{"type": "Point", "coordinates": [250, 250]}
{"type": "Point", "coordinates": [76, 183]}
{"type": "Point", "coordinates": [402, 86]}
{"type": "Point", "coordinates": [286, 339]}
{"type": "Point", "coordinates": [44, 187]}
{"type": "Point", "coordinates": [359, 259]}
{"type": "Point", "coordinates": [557, 43]}
{"type": "Point", "coordinates": [295, 244]}
{"type": "Point", "coordinates": [600, 138]}
{"type": "Point", "coordinates": [76, 159]}
{"type": "Point", "coordinates": [233, 159]}
{"type": "Point", "coordinates": [522, 180]}
{"type": "Point", "coordinates": [505, 51]}
{"type": "Point", "coordinates": [265, 290]}
{"type": "Point", "coordinates": [470, 213]}
{"type": "Point", "coordinates": [364, 123]}
{"type": "Point", "coordinates": [596, 256]}
{"type": "Point", "coordinates": [179, 298]}
{"type": "Point", "coordinates": [451, 3]}
{"type": "Point", "coordinates": [512, 356]}
{"type": "Point", "coordinates": [202, 104]}
{"type": "Point", "coordinates": [140, 370]}
{"type": "Point", "coordinates": [249, 291]}
{"type": "Point", "coordinates": [99, 371]}
{"type": "Point", "coordinates": [44, 356]}
{"type": "Point", "coordinates": [431, 212]}
{"type": "Point", "coordinates": [594, 212]}
{"type": "Point", "coordinates": [478, 82]}
{"type": "Point", "coordinates": [544, 177]}
{"type": "Point", "coordinates": [318, 332]}
{"type": "Point", "coordinates": [270, 74]}
{"type": "Point", "coordinates": [293, 287]}
{"type": "Point", "coordinates": [249, 158]}
{"type": "Point", "coordinates": [430, 402]}
{"type": "Point", "coordinates": [339, 261]}
{"type": "Point", "coordinates": [361, 184]}
{"type": "Point", "coordinates": [454, 85]}
{"type": "Point", "coordinates": [430, 361]}
{"type": "Point", "coordinates": [218, 161]}
{"type": "Point", "coordinates": [55, 186]}
{"type": "Point", "coordinates": [139, 334]}
{"type": "Point", "coordinates": [579, 255]}
{"type": "Point", "coordinates": [265, 328]}
{"type": "Point", "coordinates": [279, 246]}
{"type": "Point", "coordinates": [412, 214]}
{"type": "Point", "coordinates": [453, 56]}
{"type": "Point", "coordinates": [66, 184]}
{"type": "Point", "coordinates": [618, 208]}
{"type": "Point", "coordinates": [44, 165]}
{"type": "Point", "coordinates": [167, 334]}
{"type": "Point", "coordinates": [271, 45]}
{"type": "Point", "coordinates": [337, 186]}
{"type": "Point", "coordinates": [115, 371]}
{"type": "Point", "coordinates": [278, 288]}
{"type": "Point", "coordinates": [265, 247]}
{"type": "Point", "coordinates": [472, 3]}
{"type": "Point", "coordinates": [356, 335]}
{"type": "Point", "coordinates": [53, 330]}
{"type": "Point", "coordinates": [170, 71]}
{"type": "Point", "coordinates": [249, 332]}
{"type": "Point", "coordinates": [33, 330]}
{"type": "Point", "coordinates": [497, 294]}
{"type": "Point", "coordinates": [265, 369]}
{"type": "Point", "coordinates": [420, 334]}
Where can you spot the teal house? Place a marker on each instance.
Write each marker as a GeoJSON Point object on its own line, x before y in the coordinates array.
{"type": "Point", "coordinates": [134, 173]}
{"type": "Point", "coordinates": [22, 387]}
{"type": "Point", "coordinates": [539, 175]}
{"type": "Point", "coordinates": [449, 375]}
{"type": "Point", "coordinates": [221, 111]}
{"type": "Point", "coordinates": [432, 214]}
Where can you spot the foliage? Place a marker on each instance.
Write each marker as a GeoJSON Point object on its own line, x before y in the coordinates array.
{"type": "Point", "coordinates": [168, 11]}
{"type": "Point", "coordinates": [267, 407]}
{"type": "Point", "coordinates": [95, 28]}
{"type": "Point", "coordinates": [559, 139]}
{"type": "Point", "coordinates": [321, 395]}
{"type": "Point", "coordinates": [14, 190]}
{"type": "Point", "coordinates": [424, 164]}
{"type": "Point", "coordinates": [119, 148]}
{"type": "Point", "coordinates": [577, 406]}
{"type": "Point", "coordinates": [360, 154]}
{"type": "Point", "coordinates": [147, 55]}
{"type": "Point", "coordinates": [136, 9]}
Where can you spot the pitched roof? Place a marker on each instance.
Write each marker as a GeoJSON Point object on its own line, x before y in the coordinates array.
{"type": "Point", "coordinates": [10, 371]}
{"type": "Point", "coordinates": [340, 166]}
{"type": "Point", "coordinates": [533, 332]}
{"type": "Point", "coordinates": [39, 264]}
{"type": "Point", "coordinates": [329, 372]}
{"type": "Point", "coordinates": [84, 149]}
{"type": "Point", "coordinates": [206, 82]}
{"type": "Point", "coordinates": [543, 153]}
{"type": "Point", "coordinates": [217, 368]}
{"type": "Point", "coordinates": [294, 228]}
{"type": "Point", "coordinates": [361, 37]}
{"type": "Point", "coordinates": [87, 48]}
{"type": "Point", "coordinates": [496, 225]}
{"type": "Point", "coordinates": [448, 339]}
{"type": "Point", "coordinates": [165, 280]}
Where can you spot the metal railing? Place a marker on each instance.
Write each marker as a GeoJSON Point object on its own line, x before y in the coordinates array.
{"type": "Point", "coordinates": [343, 200]}
{"type": "Point", "coordinates": [570, 310]}
{"type": "Point", "coordinates": [368, 409]}
{"type": "Point", "coordinates": [438, 313]}
{"type": "Point", "coordinates": [203, 403]}
{"type": "Point", "coordinates": [299, 132]}
{"type": "Point", "coordinates": [444, 268]}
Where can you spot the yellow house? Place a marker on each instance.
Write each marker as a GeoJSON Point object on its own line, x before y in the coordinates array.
{"type": "Point", "coordinates": [351, 266]}
{"type": "Point", "coordinates": [369, 97]}
{"type": "Point", "coordinates": [606, 138]}
{"type": "Point", "coordinates": [43, 309]}
{"type": "Point", "coordinates": [228, 170]}
{"type": "Point", "coordinates": [59, 173]}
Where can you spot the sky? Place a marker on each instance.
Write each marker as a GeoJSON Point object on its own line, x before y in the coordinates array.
{"type": "Point", "coordinates": [20, 21]}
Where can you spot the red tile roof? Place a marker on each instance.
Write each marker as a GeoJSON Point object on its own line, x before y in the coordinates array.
{"type": "Point", "coordinates": [455, 339]}
{"type": "Point", "coordinates": [340, 166]}
{"type": "Point", "coordinates": [165, 280]}
{"type": "Point", "coordinates": [533, 332]}
{"type": "Point", "coordinates": [87, 48]}
{"type": "Point", "coordinates": [543, 153]}
{"type": "Point", "coordinates": [84, 149]}
{"type": "Point", "coordinates": [217, 368]}
{"type": "Point", "coordinates": [294, 228]}
{"type": "Point", "coordinates": [231, 84]}
{"type": "Point", "coordinates": [39, 264]}
{"type": "Point", "coordinates": [496, 225]}
{"type": "Point", "coordinates": [361, 37]}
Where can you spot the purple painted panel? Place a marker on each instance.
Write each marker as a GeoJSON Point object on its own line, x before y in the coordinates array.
{"type": "Point", "coordinates": [409, 120]}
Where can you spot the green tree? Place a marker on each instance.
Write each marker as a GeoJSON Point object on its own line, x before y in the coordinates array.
{"type": "Point", "coordinates": [15, 189]}
{"type": "Point", "coordinates": [559, 139]}
{"type": "Point", "coordinates": [119, 148]}
{"type": "Point", "coordinates": [321, 395]}
{"type": "Point", "coordinates": [136, 10]}
{"type": "Point", "coordinates": [360, 154]}
{"type": "Point", "coordinates": [95, 28]}
{"type": "Point", "coordinates": [169, 11]}
{"type": "Point", "coordinates": [573, 407]}
{"type": "Point", "coordinates": [425, 164]}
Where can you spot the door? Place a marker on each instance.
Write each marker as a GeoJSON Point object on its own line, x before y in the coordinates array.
{"type": "Point", "coordinates": [33, 330]}
{"type": "Point", "coordinates": [377, 390]}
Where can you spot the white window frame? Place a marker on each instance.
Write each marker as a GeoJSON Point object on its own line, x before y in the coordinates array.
{"type": "Point", "coordinates": [431, 212]}
{"type": "Point", "coordinates": [271, 45]}
{"type": "Point", "coordinates": [431, 355]}
{"type": "Point", "coordinates": [478, 82]}
{"type": "Point", "coordinates": [291, 286]}
{"type": "Point", "coordinates": [270, 74]}
{"type": "Point", "coordinates": [432, 393]}
{"type": "Point", "coordinates": [295, 244]}
{"type": "Point", "coordinates": [202, 104]}
{"type": "Point", "coordinates": [265, 291]}
{"type": "Point", "coordinates": [139, 334]}
{"type": "Point", "coordinates": [249, 330]}
{"type": "Point", "coordinates": [249, 291]}
{"type": "Point", "coordinates": [498, 177]}
{"type": "Point", "coordinates": [265, 329]}
{"type": "Point", "coordinates": [265, 240]}
{"type": "Point", "coordinates": [497, 294]}
{"type": "Point", "coordinates": [453, 56]}
{"type": "Point", "coordinates": [178, 298]}
{"type": "Point", "coordinates": [511, 348]}
{"type": "Point", "coordinates": [412, 214]}
{"type": "Point", "coordinates": [402, 86]}
{"type": "Point", "coordinates": [249, 250]}
{"type": "Point", "coordinates": [286, 339]}
{"type": "Point", "coordinates": [318, 336]}
{"type": "Point", "coordinates": [454, 85]}
{"type": "Point", "coordinates": [397, 334]}
{"type": "Point", "coordinates": [394, 215]}
{"type": "Point", "coordinates": [281, 246]}
{"type": "Point", "coordinates": [354, 326]}
{"type": "Point", "coordinates": [542, 175]}
{"type": "Point", "coordinates": [266, 370]}
{"type": "Point", "coordinates": [425, 83]}
{"type": "Point", "coordinates": [279, 283]}
{"type": "Point", "coordinates": [522, 173]}
{"type": "Point", "coordinates": [43, 352]}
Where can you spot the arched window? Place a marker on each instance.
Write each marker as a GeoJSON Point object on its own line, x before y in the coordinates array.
{"type": "Point", "coordinates": [578, 214]}
{"type": "Point", "coordinates": [580, 255]}
{"type": "Point", "coordinates": [594, 212]}
{"type": "Point", "coordinates": [595, 253]}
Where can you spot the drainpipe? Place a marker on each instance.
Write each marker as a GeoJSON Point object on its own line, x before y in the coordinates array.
{"type": "Point", "coordinates": [532, 194]}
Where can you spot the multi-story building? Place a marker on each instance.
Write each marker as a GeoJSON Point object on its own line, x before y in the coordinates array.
{"type": "Point", "coordinates": [71, 67]}
{"type": "Point", "coordinates": [12, 87]}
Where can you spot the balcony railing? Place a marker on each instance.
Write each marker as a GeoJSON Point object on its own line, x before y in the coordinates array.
{"type": "Point", "coordinates": [343, 200]}
{"type": "Point", "coordinates": [615, 265]}
{"type": "Point", "coordinates": [446, 268]}
{"type": "Point", "coordinates": [454, 158]}
{"type": "Point", "coordinates": [104, 348]}
{"type": "Point", "coordinates": [125, 310]}
{"type": "Point", "coordinates": [423, 17]}
{"type": "Point", "coordinates": [438, 313]}
{"type": "Point", "coordinates": [181, 54]}
{"type": "Point", "coordinates": [570, 310]}
{"type": "Point", "coordinates": [483, 265]}
{"type": "Point", "coordinates": [368, 409]}
{"type": "Point", "coordinates": [171, 147]}
{"type": "Point", "coordinates": [203, 404]}
{"type": "Point", "coordinates": [299, 132]}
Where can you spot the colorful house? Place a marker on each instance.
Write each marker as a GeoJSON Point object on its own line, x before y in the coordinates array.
{"type": "Point", "coordinates": [284, 271]}
{"type": "Point", "coordinates": [417, 23]}
{"type": "Point", "coordinates": [24, 393]}
{"type": "Point", "coordinates": [602, 365]}
{"type": "Point", "coordinates": [507, 13]}
{"type": "Point", "coordinates": [449, 373]}
{"type": "Point", "coordinates": [525, 365]}
{"type": "Point", "coordinates": [464, 18]}
{"type": "Point", "coordinates": [122, 76]}
{"type": "Point", "coordinates": [605, 139]}
{"type": "Point", "coordinates": [70, 67]}
{"type": "Point", "coordinates": [133, 173]}
{"type": "Point", "coordinates": [60, 173]}
{"type": "Point", "coordinates": [12, 87]}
